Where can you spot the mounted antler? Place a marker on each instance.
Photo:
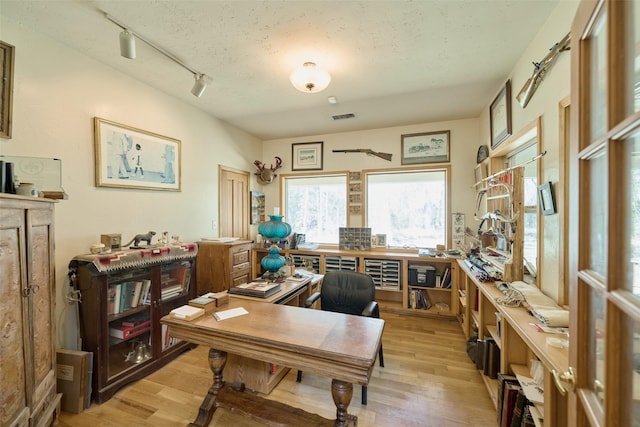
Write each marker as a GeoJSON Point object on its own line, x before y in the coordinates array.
{"type": "Point", "coordinates": [265, 175]}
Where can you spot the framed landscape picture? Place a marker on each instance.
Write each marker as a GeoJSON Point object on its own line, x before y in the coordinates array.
{"type": "Point", "coordinates": [127, 157]}
{"type": "Point", "coordinates": [306, 156]}
{"type": "Point", "coordinates": [6, 88]}
{"type": "Point", "coordinates": [257, 207]}
{"type": "Point", "coordinates": [427, 147]}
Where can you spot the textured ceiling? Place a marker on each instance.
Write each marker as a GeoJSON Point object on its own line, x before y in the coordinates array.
{"type": "Point", "coordinates": [392, 62]}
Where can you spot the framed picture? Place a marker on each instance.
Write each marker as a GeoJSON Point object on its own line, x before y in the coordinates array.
{"type": "Point", "coordinates": [500, 116]}
{"type": "Point", "coordinates": [307, 156]}
{"type": "Point", "coordinates": [546, 200]}
{"type": "Point", "coordinates": [257, 207]}
{"type": "Point", "coordinates": [127, 157]}
{"type": "Point", "coordinates": [428, 147]}
{"type": "Point", "coordinates": [6, 89]}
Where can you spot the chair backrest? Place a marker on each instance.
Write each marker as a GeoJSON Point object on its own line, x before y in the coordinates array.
{"type": "Point", "coordinates": [347, 292]}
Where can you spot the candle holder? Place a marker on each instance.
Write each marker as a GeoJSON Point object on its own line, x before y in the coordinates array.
{"type": "Point", "coordinates": [273, 230]}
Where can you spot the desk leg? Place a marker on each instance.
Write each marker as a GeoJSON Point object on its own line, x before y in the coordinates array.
{"type": "Point", "coordinates": [342, 392]}
{"type": "Point", "coordinates": [217, 360]}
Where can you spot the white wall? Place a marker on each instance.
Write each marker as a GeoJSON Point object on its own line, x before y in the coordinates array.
{"type": "Point", "coordinates": [464, 141]}
{"type": "Point", "coordinates": [57, 92]}
{"type": "Point", "coordinates": [545, 103]}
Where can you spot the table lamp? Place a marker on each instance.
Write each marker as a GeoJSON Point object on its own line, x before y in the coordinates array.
{"type": "Point", "coordinates": [273, 230]}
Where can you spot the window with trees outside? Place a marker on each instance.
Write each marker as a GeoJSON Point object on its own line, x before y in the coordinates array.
{"type": "Point", "coordinates": [316, 205]}
{"type": "Point", "coordinates": [410, 206]}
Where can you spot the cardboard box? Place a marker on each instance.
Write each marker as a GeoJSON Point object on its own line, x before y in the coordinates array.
{"type": "Point", "coordinates": [72, 370]}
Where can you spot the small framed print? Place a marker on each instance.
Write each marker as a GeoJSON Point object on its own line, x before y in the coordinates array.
{"type": "Point", "coordinates": [546, 200]}
{"type": "Point", "coordinates": [500, 116]}
{"type": "Point", "coordinates": [257, 207]}
{"type": "Point", "coordinates": [427, 147]}
{"type": "Point", "coordinates": [307, 156]}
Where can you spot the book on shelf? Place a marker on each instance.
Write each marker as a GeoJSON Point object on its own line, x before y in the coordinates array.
{"type": "Point", "coordinates": [126, 332]}
{"type": "Point", "coordinates": [135, 320]}
{"type": "Point", "coordinates": [510, 395]}
{"type": "Point", "coordinates": [518, 410]}
{"type": "Point", "coordinates": [256, 289]}
{"type": "Point", "coordinates": [186, 312]}
{"type": "Point", "coordinates": [502, 380]}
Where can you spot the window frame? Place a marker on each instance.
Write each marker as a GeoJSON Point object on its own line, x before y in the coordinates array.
{"type": "Point", "coordinates": [439, 167]}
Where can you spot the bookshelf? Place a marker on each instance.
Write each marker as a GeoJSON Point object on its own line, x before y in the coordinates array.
{"type": "Point", "coordinates": [391, 273]}
{"type": "Point", "coordinates": [518, 341]}
{"type": "Point", "coordinates": [123, 296]}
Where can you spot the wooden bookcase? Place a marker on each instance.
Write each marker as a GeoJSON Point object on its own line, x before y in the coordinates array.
{"type": "Point", "coordinates": [518, 341]}
{"type": "Point", "coordinates": [124, 295]}
{"type": "Point", "coordinates": [390, 271]}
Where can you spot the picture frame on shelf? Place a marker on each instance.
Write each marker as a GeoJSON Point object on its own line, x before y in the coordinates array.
{"type": "Point", "coordinates": [306, 156]}
{"type": "Point", "coordinates": [257, 207]}
{"type": "Point", "coordinates": [546, 199]}
{"type": "Point", "coordinates": [425, 147]}
{"type": "Point", "coordinates": [127, 157]}
{"type": "Point", "coordinates": [7, 53]}
{"type": "Point", "coordinates": [500, 116]}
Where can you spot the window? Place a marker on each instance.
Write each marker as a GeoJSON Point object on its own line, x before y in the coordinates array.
{"type": "Point", "coordinates": [410, 207]}
{"type": "Point", "coordinates": [530, 173]}
{"type": "Point", "coordinates": [316, 205]}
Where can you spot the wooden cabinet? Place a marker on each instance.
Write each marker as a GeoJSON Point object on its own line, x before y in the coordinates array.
{"type": "Point", "coordinates": [27, 303]}
{"type": "Point", "coordinates": [223, 265]}
{"type": "Point", "coordinates": [519, 343]}
{"type": "Point", "coordinates": [390, 271]}
{"type": "Point", "coordinates": [432, 285]}
{"type": "Point", "coordinates": [124, 295]}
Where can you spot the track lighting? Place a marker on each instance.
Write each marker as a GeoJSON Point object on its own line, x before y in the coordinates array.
{"type": "Point", "coordinates": [128, 50]}
{"type": "Point", "coordinates": [127, 45]}
{"type": "Point", "coordinates": [200, 85]}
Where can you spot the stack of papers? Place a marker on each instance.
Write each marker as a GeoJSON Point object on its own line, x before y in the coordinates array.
{"type": "Point", "coordinates": [186, 312]}
{"type": "Point", "coordinates": [228, 314]}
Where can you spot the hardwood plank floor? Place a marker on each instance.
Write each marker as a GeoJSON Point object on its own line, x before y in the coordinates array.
{"type": "Point", "coordinates": [428, 381]}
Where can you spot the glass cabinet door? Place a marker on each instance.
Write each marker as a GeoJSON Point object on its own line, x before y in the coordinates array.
{"type": "Point", "coordinates": [175, 280]}
{"type": "Point", "coordinates": [129, 320]}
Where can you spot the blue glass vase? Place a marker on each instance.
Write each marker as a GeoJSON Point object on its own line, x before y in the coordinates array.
{"type": "Point", "coordinates": [273, 261]}
{"type": "Point", "coordinates": [275, 228]}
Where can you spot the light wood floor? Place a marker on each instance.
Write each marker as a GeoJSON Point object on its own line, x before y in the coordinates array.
{"type": "Point", "coordinates": [428, 381]}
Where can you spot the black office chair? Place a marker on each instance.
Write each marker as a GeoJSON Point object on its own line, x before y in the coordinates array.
{"type": "Point", "coordinates": [351, 293]}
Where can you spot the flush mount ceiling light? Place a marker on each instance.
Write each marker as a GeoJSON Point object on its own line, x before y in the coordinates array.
{"type": "Point", "coordinates": [128, 50]}
{"type": "Point", "coordinates": [309, 78]}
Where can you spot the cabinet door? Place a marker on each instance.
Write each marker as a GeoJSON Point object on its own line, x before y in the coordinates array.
{"type": "Point", "coordinates": [40, 278]}
{"type": "Point", "coordinates": [13, 333]}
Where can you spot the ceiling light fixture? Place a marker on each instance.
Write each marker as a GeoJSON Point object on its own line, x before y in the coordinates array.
{"type": "Point", "coordinates": [309, 78]}
{"type": "Point", "coordinates": [128, 50]}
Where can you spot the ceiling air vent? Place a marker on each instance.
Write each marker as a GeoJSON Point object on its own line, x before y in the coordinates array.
{"type": "Point", "coordinates": [343, 116]}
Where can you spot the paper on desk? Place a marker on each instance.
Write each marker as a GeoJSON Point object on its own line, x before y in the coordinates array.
{"type": "Point", "coordinates": [228, 314]}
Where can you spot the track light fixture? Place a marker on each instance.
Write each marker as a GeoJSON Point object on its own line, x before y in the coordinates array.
{"type": "Point", "coordinates": [128, 50]}
{"type": "Point", "coordinates": [200, 85]}
{"type": "Point", "coordinates": [127, 45]}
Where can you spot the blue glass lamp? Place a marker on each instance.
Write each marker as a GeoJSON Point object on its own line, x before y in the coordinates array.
{"type": "Point", "coordinates": [273, 230]}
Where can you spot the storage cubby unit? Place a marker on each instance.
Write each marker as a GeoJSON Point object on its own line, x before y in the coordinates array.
{"type": "Point", "coordinates": [335, 263]}
{"type": "Point", "coordinates": [302, 261]}
{"type": "Point", "coordinates": [519, 343]}
{"type": "Point", "coordinates": [390, 272]}
{"type": "Point", "coordinates": [123, 296]}
{"type": "Point", "coordinates": [385, 273]}
{"type": "Point", "coordinates": [429, 285]}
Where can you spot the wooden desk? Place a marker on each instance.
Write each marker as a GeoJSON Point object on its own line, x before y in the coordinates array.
{"type": "Point", "coordinates": [339, 346]}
